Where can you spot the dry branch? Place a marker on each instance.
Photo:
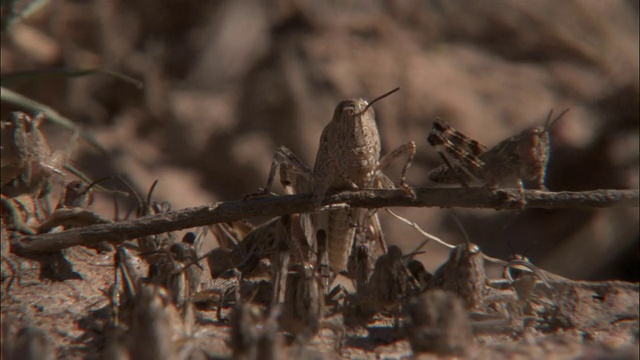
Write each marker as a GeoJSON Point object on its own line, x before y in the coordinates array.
{"type": "Point", "coordinates": [289, 204]}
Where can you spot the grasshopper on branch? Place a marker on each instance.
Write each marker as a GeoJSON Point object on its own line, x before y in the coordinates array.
{"type": "Point", "coordinates": [523, 156]}
{"type": "Point", "coordinates": [348, 157]}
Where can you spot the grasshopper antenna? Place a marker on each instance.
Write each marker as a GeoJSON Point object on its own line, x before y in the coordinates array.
{"type": "Point", "coordinates": [135, 193]}
{"type": "Point", "coordinates": [379, 98]}
{"type": "Point", "coordinates": [95, 183]}
{"type": "Point", "coordinates": [549, 123]}
{"type": "Point", "coordinates": [150, 193]}
{"type": "Point", "coordinates": [455, 217]}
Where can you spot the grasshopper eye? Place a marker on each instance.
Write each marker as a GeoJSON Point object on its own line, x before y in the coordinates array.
{"type": "Point", "coordinates": [473, 248]}
{"type": "Point", "coordinates": [349, 110]}
{"type": "Point", "coordinates": [345, 108]}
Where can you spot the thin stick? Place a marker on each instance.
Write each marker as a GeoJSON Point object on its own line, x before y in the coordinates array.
{"type": "Point", "coordinates": [422, 232]}
{"type": "Point", "coordinates": [290, 204]}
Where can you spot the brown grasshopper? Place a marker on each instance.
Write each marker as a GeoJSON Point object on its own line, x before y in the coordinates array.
{"type": "Point", "coordinates": [463, 274]}
{"type": "Point", "coordinates": [143, 314]}
{"type": "Point", "coordinates": [523, 156]}
{"type": "Point", "coordinates": [252, 335]}
{"type": "Point", "coordinates": [303, 302]}
{"type": "Point", "coordinates": [437, 321]}
{"type": "Point", "coordinates": [225, 289]}
{"type": "Point", "coordinates": [27, 160]}
{"type": "Point", "coordinates": [298, 286]}
{"type": "Point", "coordinates": [178, 271]}
{"type": "Point", "coordinates": [390, 287]}
{"type": "Point", "coordinates": [28, 163]}
{"type": "Point", "coordinates": [151, 328]}
{"type": "Point", "coordinates": [239, 240]}
{"type": "Point", "coordinates": [348, 157]}
{"type": "Point", "coordinates": [72, 209]}
{"type": "Point", "coordinates": [303, 311]}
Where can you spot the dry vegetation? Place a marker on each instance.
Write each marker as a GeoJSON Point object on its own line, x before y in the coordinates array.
{"type": "Point", "coordinates": [227, 82]}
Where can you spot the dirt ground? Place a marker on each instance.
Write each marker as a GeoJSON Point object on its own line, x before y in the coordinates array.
{"type": "Point", "coordinates": [227, 82]}
{"type": "Point", "coordinates": [587, 320]}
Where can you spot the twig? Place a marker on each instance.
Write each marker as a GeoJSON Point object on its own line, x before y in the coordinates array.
{"type": "Point", "coordinates": [289, 204]}
{"type": "Point", "coordinates": [422, 232]}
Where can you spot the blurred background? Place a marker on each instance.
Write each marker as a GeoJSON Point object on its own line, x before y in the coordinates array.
{"type": "Point", "coordinates": [227, 82]}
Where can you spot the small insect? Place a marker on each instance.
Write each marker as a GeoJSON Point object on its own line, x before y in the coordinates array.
{"type": "Point", "coordinates": [143, 313]}
{"type": "Point", "coordinates": [523, 156]}
{"type": "Point", "coordinates": [151, 328]}
{"type": "Point", "coordinates": [224, 291]}
{"type": "Point", "coordinates": [28, 163]}
{"type": "Point", "coordinates": [280, 259]}
{"type": "Point", "coordinates": [368, 246]}
{"type": "Point", "coordinates": [303, 311]}
{"type": "Point", "coordinates": [303, 302]}
{"type": "Point", "coordinates": [153, 242]}
{"type": "Point", "coordinates": [390, 287]}
{"type": "Point", "coordinates": [127, 280]}
{"type": "Point", "coordinates": [254, 336]}
{"type": "Point", "coordinates": [463, 274]}
{"type": "Point", "coordinates": [72, 210]}
{"type": "Point", "coordinates": [438, 322]}
{"type": "Point", "coordinates": [299, 287]}
{"type": "Point", "coordinates": [178, 271]}
{"type": "Point", "coordinates": [27, 160]}
{"type": "Point", "coordinates": [78, 194]}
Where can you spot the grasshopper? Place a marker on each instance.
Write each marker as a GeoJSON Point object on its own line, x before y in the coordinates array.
{"type": "Point", "coordinates": [348, 157]}
{"type": "Point", "coordinates": [523, 156]}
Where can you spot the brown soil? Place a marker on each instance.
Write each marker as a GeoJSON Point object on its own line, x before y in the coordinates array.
{"type": "Point", "coordinates": [582, 322]}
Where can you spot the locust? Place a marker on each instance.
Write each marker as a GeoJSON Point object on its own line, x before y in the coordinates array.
{"type": "Point", "coordinates": [523, 157]}
{"type": "Point", "coordinates": [348, 157]}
